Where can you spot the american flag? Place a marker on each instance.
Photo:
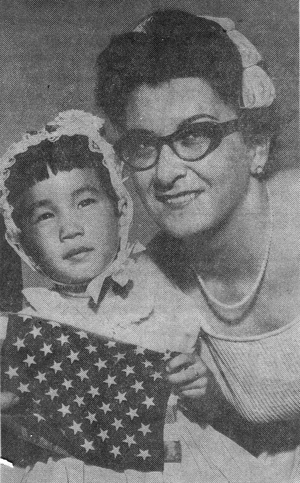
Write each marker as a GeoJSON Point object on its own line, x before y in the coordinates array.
{"type": "Point", "coordinates": [98, 400]}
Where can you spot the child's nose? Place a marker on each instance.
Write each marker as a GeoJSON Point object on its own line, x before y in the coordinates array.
{"type": "Point", "coordinates": [70, 228]}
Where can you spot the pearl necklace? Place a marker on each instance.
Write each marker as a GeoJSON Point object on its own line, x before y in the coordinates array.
{"type": "Point", "coordinates": [233, 313]}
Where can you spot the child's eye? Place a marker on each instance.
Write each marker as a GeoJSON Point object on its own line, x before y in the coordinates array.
{"type": "Point", "coordinates": [43, 216]}
{"type": "Point", "coordinates": [87, 202]}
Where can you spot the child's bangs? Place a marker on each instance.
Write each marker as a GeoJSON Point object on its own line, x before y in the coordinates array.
{"type": "Point", "coordinates": [65, 154]}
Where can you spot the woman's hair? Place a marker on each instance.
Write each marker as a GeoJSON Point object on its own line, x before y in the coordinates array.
{"type": "Point", "coordinates": [65, 154]}
{"type": "Point", "coordinates": [176, 44]}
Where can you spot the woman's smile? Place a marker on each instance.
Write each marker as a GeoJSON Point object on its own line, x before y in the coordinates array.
{"type": "Point", "coordinates": [178, 200]}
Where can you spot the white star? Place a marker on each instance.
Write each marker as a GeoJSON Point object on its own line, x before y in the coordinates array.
{"type": "Point", "coordinates": [117, 424]}
{"type": "Point", "coordinates": [39, 417]}
{"type": "Point", "coordinates": [94, 391]}
{"type": "Point", "coordinates": [26, 317]}
{"type": "Point", "coordinates": [144, 454]}
{"type": "Point", "coordinates": [128, 370]}
{"type": "Point", "coordinates": [82, 334]}
{"type": "Point", "coordinates": [41, 376]}
{"type": "Point", "coordinates": [52, 393]}
{"type": "Point", "coordinates": [156, 375]}
{"type": "Point", "coordinates": [105, 407]}
{"type": "Point", "coordinates": [110, 344]}
{"type": "Point", "coordinates": [63, 339]}
{"type": "Point", "coordinates": [119, 356]}
{"type": "Point", "coordinates": [12, 372]}
{"type": "Point", "coordinates": [132, 413]}
{"type": "Point", "coordinates": [82, 374]}
{"type": "Point", "coordinates": [139, 350]}
{"type": "Point", "coordinates": [166, 356]}
{"type": "Point", "coordinates": [103, 434]}
{"type": "Point", "coordinates": [79, 401]}
{"type": "Point", "coordinates": [91, 348]}
{"type": "Point", "coordinates": [121, 397]}
{"type": "Point", "coordinates": [73, 356]}
{"type": "Point", "coordinates": [115, 451]}
{"type": "Point", "coordinates": [36, 331]}
{"type": "Point", "coordinates": [56, 366]}
{"type": "Point", "coordinates": [145, 429]}
{"type": "Point", "coordinates": [87, 445]}
{"type": "Point", "coordinates": [110, 380]}
{"type": "Point", "coordinates": [129, 440]}
{"type": "Point", "coordinates": [19, 343]}
{"type": "Point", "coordinates": [76, 427]}
{"type": "Point", "coordinates": [147, 363]}
{"type": "Point", "coordinates": [29, 360]}
{"type": "Point", "coordinates": [67, 384]}
{"type": "Point", "coordinates": [148, 402]}
{"type": "Point", "coordinates": [23, 387]}
{"type": "Point", "coordinates": [64, 410]}
{"type": "Point", "coordinates": [36, 401]}
{"type": "Point", "coordinates": [53, 324]}
{"type": "Point", "coordinates": [100, 364]}
{"type": "Point", "coordinates": [138, 386]}
{"type": "Point", "coordinates": [91, 417]}
{"type": "Point", "coordinates": [46, 349]}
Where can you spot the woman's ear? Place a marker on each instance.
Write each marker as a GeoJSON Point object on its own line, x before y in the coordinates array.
{"type": "Point", "coordinates": [259, 157]}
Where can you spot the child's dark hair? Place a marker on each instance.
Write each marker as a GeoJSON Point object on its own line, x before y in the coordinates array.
{"type": "Point", "coordinates": [65, 154]}
{"type": "Point", "coordinates": [177, 44]}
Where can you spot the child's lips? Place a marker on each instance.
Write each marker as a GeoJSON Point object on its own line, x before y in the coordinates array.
{"type": "Point", "coordinates": [77, 253]}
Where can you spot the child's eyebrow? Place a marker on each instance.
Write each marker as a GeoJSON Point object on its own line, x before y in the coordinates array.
{"type": "Point", "coordinates": [37, 204]}
{"type": "Point", "coordinates": [84, 189]}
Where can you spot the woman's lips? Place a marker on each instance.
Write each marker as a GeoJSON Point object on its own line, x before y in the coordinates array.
{"type": "Point", "coordinates": [178, 200]}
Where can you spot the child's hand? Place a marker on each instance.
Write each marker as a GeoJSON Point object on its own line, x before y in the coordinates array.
{"type": "Point", "coordinates": [7, 399]}
{"type": "Point", "coordinates": [189, 375]}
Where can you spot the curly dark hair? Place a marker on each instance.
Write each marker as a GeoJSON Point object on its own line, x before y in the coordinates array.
{"type": "Point", "coordinates": [177, 44]}
{"type": "Point", "coordinates": [65, 154]}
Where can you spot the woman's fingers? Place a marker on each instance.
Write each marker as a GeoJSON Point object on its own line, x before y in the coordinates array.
{"type": "Point", "coordinates": [180, 361]}
{"type": "Point", "coordinates": [187, 374]}
{"type": "Point", "coordinates": [8, 399]}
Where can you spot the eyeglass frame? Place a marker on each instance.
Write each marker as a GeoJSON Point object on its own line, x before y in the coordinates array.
{"type": "Point", "coordinates": [223, 129]}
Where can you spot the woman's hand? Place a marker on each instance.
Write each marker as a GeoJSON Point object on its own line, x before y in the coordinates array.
{"type": "Point", "coordinates": [7, 399]}
{"type": "Point", "coordinates": [189, 375]}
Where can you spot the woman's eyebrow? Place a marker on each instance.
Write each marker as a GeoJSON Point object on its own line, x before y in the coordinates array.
{"type": "Point", "coordinates": [191, 119]}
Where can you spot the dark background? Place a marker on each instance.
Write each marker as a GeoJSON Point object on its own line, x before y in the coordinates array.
{"type": "Point", "coordinates": [48, 50]}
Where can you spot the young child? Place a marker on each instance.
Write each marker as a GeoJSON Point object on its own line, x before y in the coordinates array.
{"type": "Point", "coordinates": [95, 405]}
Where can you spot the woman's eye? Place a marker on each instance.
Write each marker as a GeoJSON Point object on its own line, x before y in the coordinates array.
{"type": "Point", "coordinates": [192, 139]}
{"type": "Point", "coordinates": [87, 202]}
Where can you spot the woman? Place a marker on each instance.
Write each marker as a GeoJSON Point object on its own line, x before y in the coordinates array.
{"type": "Point", "coordinates": [197, 119]}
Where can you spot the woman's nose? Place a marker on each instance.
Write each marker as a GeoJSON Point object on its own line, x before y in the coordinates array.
{"type": "Point", "coordinates": [169, 167]}
{"type": "Point", "coordinates": [70, 227]}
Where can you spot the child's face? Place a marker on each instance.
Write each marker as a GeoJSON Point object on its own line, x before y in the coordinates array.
{"type": "Point", "coordinates": [70, 226]}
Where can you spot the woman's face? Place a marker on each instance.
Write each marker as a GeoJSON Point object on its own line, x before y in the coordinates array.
{"type": "Point", "coordinates": [185, 197]}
